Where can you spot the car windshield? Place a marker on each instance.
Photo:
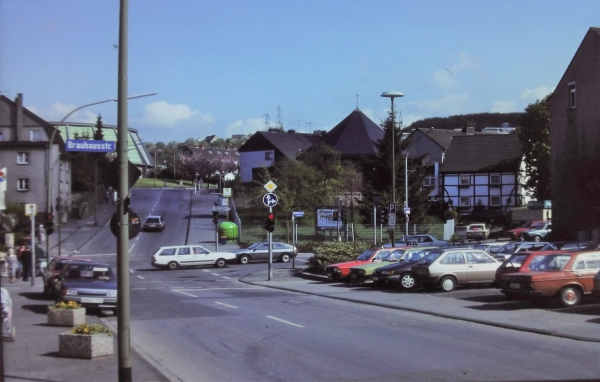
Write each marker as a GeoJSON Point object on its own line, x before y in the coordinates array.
{"type": "Point", "coordinates": [527, 225]}
{"type": "Point", "coordinates": [89, 273]}
{"type": "Point", "coordinates": [366, 255]}
{"type": "Point", "coordinates": [395, 255]}
{"type": "Point", "coordinates": [538, 226]}
{"type": "Point", "coordinates": [254, 246]}
{"type": "Point", "coordinates": [515, 261]}
{"type": "Point", "coordinates": [508, 248]}
{"type": "Point", "coordinates": [551, 263]}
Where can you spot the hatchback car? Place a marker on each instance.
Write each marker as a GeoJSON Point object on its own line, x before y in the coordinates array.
{"type": "Point", "coordinates": [153, 223]}
{"type": "Point", "coordinates": [260, 251]}
{"type": "Point", "coordinates": [341, 271]}
{"type": "Point", "coordinates": [451, 267]}
{"type": "Point", "coordinates": [537, 232]}
{"type": "Point", "coordinates": [91, 284]}
{"type": "Point", "coordinates": [50, 275]}
{"type": "Point", "coordinates": [508, 249]}
{"type": "Point", "coordinates": [174, 257]}
{"type": "Point", "coordinates": [515, 233]}
{"type": "Point", "coordinates": [399, 274]}
{"type": "Point", "coordinates": [520, 262]}
{"type": "Point", "coordinates": [478, 231]}
{"type": "Point", "coordinates": [566, 276]}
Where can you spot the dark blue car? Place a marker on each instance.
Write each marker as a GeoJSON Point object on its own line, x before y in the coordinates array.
{"type": "Point", "coordinates": [91, 284]}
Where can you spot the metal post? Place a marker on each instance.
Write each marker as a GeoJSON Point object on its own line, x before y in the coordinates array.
{"type": "Point", "coordinates": [294, 239]}
{"type": "Point", "coordinates": [406, 190]}
{"type": "Point", "coordinates": [32, 260]}
{"type": "Point", "coordinates": [374, 224]}
{"type": "Point", "coordinates": [393, 166]}
{"type": "Point", "coordinates": [270, 271]}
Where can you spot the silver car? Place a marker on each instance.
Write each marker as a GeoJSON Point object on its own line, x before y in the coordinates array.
{"type": "Point", "coordinates": [260, 251]}
{"type": "Point", "coordinates": [451, 267]}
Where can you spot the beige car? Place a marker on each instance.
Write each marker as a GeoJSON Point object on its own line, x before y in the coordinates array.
{"type": "Point", "coordinates": [478, 231]}
{"type": "Point", "coordinates": [448, 268]}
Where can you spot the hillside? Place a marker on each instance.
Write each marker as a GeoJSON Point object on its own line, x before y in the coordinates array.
{"type": "Point", "coordinates": [478, 120]}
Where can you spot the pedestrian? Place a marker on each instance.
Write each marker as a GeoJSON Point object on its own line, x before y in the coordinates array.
{"type": "Point", "coordinates": [106, 196]}
{"type": "Point", "coordinates": [19, 254]}
{"type": "Point", "coordinates": [164, 182]}
{"type": "Point", "coordinates": [13, 264]}
{"type": "Point", "coordinates": [114, 197]}
{"type": "Point", "coordinates": [26, 261]}
{"type": "Point", "coordinates": [181, 184]}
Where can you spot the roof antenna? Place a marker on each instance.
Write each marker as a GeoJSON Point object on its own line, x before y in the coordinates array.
{"type": "Point", "coordinates": [356, 101]}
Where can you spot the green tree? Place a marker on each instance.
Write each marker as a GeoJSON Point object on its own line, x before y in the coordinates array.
{"type": "Point", "coordinates": [98, 135]}
{"type": "Point", "coordinates": [534, 134]}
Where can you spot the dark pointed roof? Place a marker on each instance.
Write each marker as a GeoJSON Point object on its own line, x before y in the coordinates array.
{"type": "Point", "coordinates": [483, 153]}
{"type": "Point", "coordinates": [288, 144]}
{"type": "Point", "coordinates": [439, 136]}
{"type": "Point", "coordinates": [354, 136]}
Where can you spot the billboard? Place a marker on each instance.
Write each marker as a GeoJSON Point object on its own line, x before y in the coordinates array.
{"type": "Point", "coordinates": [325, 218]}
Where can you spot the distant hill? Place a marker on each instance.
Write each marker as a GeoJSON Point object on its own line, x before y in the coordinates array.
{"type": "Point", "coordinates": [478, 120]}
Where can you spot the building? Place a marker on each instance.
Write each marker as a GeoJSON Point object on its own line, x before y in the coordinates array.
{"type": "Point", "coordinates": [575, 136]}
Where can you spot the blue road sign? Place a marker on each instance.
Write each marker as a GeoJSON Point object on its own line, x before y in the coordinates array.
{"type": "Point", "coordinates": [86, 145]}
{"type": "Point", "coordinates": [270, 200]}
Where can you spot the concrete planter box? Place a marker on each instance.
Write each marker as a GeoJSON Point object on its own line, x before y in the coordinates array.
{"type": "Point", "coordinates": [66, 317]}
{"type": "Point", "coordinates": [85, 345]}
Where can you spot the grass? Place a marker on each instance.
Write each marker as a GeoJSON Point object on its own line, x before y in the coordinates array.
{"type": "Point", "coordinates": [170, 183]}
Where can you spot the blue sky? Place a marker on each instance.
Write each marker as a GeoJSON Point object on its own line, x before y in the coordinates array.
{"type": "Point", "coordinates": [220, 66]}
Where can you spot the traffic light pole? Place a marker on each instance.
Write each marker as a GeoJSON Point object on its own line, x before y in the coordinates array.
{"type": "Point", "coordinates": [270, 270]}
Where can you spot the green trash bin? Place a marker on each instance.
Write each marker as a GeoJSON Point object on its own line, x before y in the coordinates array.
{"type": "Point", "coordinates": [228, 230]}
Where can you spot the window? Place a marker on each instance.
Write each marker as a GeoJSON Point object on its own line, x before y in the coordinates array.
{"type": "Point", "coordinates": [1, 136]}
{"type": "Point", "coordinates": [35, 135]}
{"type": "Point", "coordinates": [268, 155]}
{"type": "Point", "coordinates": [495, 179]}
{"type": "Point", "coordinates": [464, 180]}
{"type": "Point", "coordinates": [495, 200]}
{"type": "Point", "coordinates": [572, 101]}
{"type": "Point", "coordinates": [23, 184]}
{"type": "Point", "coordinates": [183, 251]}
{"type": "Point", "coordinates": [465, 201]}
{"type": "Point", "coordinates": [429, 181]}
{"type": "Point", "coordinates": [453, 258]}
{"type": "Point", "coordinates": [23, 158]}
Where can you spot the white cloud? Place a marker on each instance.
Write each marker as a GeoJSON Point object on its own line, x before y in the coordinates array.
{"type": "Point", "coordinates": [58, 111]}
{"type": "Point", "coordinates": [246, 126]}
{"type": "Point", "coordinates": [504, 107]}
{"type": "Point", "coordinates": [164, 114]}
{"type": "Point", "coordinates": [448, 76]}
{"type": "Point", "coordinates": [532, 95]}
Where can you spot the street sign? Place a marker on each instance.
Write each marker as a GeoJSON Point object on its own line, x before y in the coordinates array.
{"type": "Point", "coordinates": [391, 223]}
{"type": "Point", "coordinates": [135, 225]}
{"type": "Point", "coordinates": [90, 146]}
{"type": "Point", "coordinates": [270, 200]}
{"type": "Point", "coordinates": [298, 214]}
{"type": "Point", "coordinates": [227, 192]}
{"type": "Point", "coordinates": [270, 186]}
{"type": "Point", "coordinates": [221, 209]}
{"type": "Point", "coordinates": [392, 216]}
{"type": "Point", "coordinates": [406, 210]}
{"type": "Point", "coordinates": [392, 208]}
{"type": "Point", "coordinates": [30, 209]}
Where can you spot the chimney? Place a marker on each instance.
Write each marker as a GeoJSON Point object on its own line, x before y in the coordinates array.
{"type": "Point", "coordinates": [19, 116]}
{"type": "Point", "coordinates": [470, 130]}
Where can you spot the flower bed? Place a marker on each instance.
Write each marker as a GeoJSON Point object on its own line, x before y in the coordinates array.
{"type": "Point", "coordinates": [66, 314]}
{"type": "Point", "coordinates": [86, 341]}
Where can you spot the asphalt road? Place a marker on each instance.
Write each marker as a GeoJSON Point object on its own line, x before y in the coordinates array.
{"type": "Point", "coordinates": [203, 324]}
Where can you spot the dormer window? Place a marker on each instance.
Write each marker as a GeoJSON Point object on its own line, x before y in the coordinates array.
{"type": "Point", "coordinates": [572, 99]}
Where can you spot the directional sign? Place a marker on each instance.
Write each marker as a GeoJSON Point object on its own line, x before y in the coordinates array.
{"type": "Point", "coordinates": [392, 216]}
{"type": "Point", "coordinates": [270, 186]}
{"type": "Point", "coordinates": [86, 145]}
{"type": "Point", "coordinates": [392, 208]}
{"type": "Point", "coordinates": [391, 223]}
{"type": "Point", "coordinates": [221, 208]}
{"type": "Point", "coordinates": [270, 200]}
{"type": "Point", "coordinates": [298, 214]}
{"type": "Point", "coordinates": [406, 210]}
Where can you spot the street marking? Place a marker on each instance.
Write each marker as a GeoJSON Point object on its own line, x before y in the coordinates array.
{"type": "Point", "coordinates": [215, 274]}
{"type": "Point", "coordinates": [225, 277]}
{"type": "Point", "coordinates": [210, 289]}
{"type": "Point", "coordinates": [138, 288]}
{"type": "Point", "coordinates": [187, 294]}
{"type": "Point", "coordinates": [141, 277]}
{"type": "Point", "coordinates": [131, 271]}
{"type": "Point", "coordinates": [131, 247]}
{"type": "Point", "coordinates": [205, 270]}
{"type": "Point", "coordinates": [229, 306]}
{"type": "Point", "coordinates": [284, 321]}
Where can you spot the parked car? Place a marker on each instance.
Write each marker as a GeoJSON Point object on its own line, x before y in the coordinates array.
{"type": "Point", "coordinates": [399, 274]}
{"type": "Point", "coordinates": [260, 251]}
{"type": "Point", "coordinates": [565, 276]}
{"type": "Point", "coordinates": [91, 284]}
{"type": "Point", "coordinates": [491, 248]}
{"type": "Point", "coordinates": [154, 223]}
{"type": "Point", "coordinates": [50, 275]}
{"type": "Point", "coordinates": [508, 249]}
{"type": "Point", "coordinates": [537, 231]}
{"type": "Point", "coordinates": [341, 271]}
{"type": "Point", "coordinates": [451, 267]}
{"type": "Point", "coordinates": [596, 290]}
{"type": "Point", "coordinates": [8, 329]}
{"type": "Point", "coordinates": [515, 233]}
{"type": "Point", "coordinates": [520, 262]}
{"type": "Point", "coordinates": [176, 256]}
{"type": "Point", "coordinates": [420, 239]}
{"type": "Point", "coordinates": [477, 231]}
{"type": "Point", "coordinates": [362, 273]}
{"type": "Point", "coordinates": [584, 245]}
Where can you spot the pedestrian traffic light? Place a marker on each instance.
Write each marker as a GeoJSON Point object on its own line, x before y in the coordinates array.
{"type": "Point", "coordinates": [49, 225]}
{"type": "Point", "coordinates": [216, 217]}
{"type": "Point", "coordinates": [270, 222]}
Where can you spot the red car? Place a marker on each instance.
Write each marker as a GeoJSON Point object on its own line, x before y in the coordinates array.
{"type": "Point", "coordinates": [340, 271]}
{"type": "Point", "coordinates": [520, 262]}
{"type": "Point", "coordinates": [566, 276]}
{"type": "Point", "coordinates": [515, 233]}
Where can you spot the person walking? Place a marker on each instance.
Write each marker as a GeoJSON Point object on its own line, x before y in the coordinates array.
{"type": "Point", "coordinates": [26, 261]}
{"type": "Point", "coordinates": [13, 264]}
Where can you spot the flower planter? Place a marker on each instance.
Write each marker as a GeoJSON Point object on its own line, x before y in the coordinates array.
{"type": "Point", "coordinates": [66, 317]}
{"type": "Point", "coordinates": [85, 345]}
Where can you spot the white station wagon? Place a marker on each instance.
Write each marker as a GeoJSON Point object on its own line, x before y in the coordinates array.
{"type": "Point", "coordinates": [173, 257]}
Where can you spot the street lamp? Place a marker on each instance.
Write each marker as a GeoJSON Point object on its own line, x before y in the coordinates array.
{"type": "Point", "coordinates": [391, 95]}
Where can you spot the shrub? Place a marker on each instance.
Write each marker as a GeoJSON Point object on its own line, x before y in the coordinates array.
{"type": "Point", "coordinates": [67, 305]}
{"type": "Point", "coordinates": [336, 252]}
{"type": "Point", "coordinates": [91, 329]}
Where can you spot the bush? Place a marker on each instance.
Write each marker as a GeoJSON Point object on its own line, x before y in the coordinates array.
{"type": "Point", "coordinates": [336, 252]}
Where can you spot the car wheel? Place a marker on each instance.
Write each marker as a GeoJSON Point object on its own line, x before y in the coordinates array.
{"type": "Point", "coordinates": [569, 296]}
{"type": "Point", "coordinates": [244, 259]}
{"type": "Point", "coordinates": [285, 258]}
{"type": "Point", "coordinates": [407, 281]}
{"type": "Point", "coordinates": [536, 238]}
{"type": "Point", "coordinates": [172, 266]}
{"type": "Point", "coordinates": [220, 263]}
{"type": "Point", "coordinates": [447, 283]}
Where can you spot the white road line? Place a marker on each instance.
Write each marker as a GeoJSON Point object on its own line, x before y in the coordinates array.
{"type": "Point", "coordinates": [227, 305]}
{"type": "Point", "coordinates": [215, 274]}
{"type": "Point", "coordinates": [138, 288]}
{"type": "Point", "coordinates": [225, 277]}
{"type": "Point", "coordinates": [187, 294]}
{"type": "Point", "coordinates": [210, 289]}
{"type": "Point", "coordinates": [141, 277]}
{"type": "Point", "coordinates": [131, 271]}
{"type": "Point", "coordinates": [284, 321]}
{"type": "Point", "coordinates": [205, 270]}
{"type": "Point", "coordinates": [131, 248]}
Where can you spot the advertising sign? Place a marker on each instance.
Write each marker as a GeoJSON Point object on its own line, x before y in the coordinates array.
{"type": "Point", "coordinates": [325, 219]}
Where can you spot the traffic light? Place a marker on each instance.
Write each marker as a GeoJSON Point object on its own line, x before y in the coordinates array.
{"type": "Point", "coordinates": [344, 215]}
{"type": "Point", "coordinates": [382, 216]}
{"type": "Point", "coordinates": [49, 226]}
{"type": "Point", "coordinates": [216, 217]}
{"type": "Point", "coordinates": [270, 222]}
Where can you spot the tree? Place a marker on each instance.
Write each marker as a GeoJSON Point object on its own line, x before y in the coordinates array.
{"type": "Point", "coordinates": [534, 134]}
{"type": "Point", "coordinates": [98, 135]}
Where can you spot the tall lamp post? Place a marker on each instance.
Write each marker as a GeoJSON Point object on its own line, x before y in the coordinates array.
{"type": "Point", "coordinates": [391, 95]}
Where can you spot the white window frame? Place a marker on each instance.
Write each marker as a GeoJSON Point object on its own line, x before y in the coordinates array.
{"type": "Point", "coordinates": [23, 157]}
{"type": "Point", "coordinates": [23, 184]}
{"type": "Point", "coordinates": [572, 96]}
{"type": "Point", "coordinates": [429, 181]}
{"type": "Point", "coordinates": [495, 200]}
{"type": "Point", "coordinates": [464, 201]}
{"type": "Point", "coordinates": [495, 179]}
{"type": "Point", "coordinates": [464, 180]}
{"type": "Point", "coordinates": [35, 135]}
